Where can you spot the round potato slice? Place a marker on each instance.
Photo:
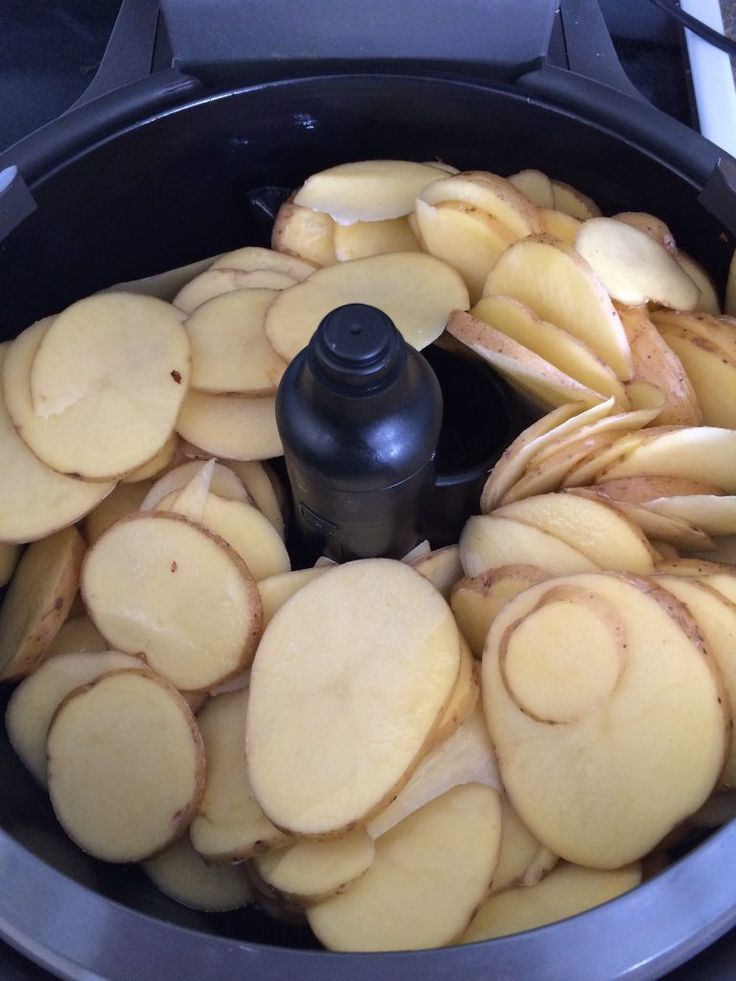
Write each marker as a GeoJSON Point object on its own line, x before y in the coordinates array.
{"type": "Point", "coordinates": [488, 542]}
{"type": "Point", "coordinates": [277, 590]}
{"type": "Point", "coordinates": [559, 224]}
{"type": "Point", "coordinates": [180, 873]}
{"type": "Point", "coordinates": [442, 567]}
{"type": "Point", "coordinates": [327, 679]}
{"type": "Point", "coordinates": [125, 765]}
{"type": "Point", "coordinates": [263, 487]}
{"type": "Point", "coordinates": [251, 259]}
{"type": "Point", "coordinates": [34, 702]}
{"type": "Point", "coordinates": [217, 282]}
{"type": "Point", "coordinates": [157, 464]}
{"type": "Point", "coordinates": [464, 698]}
{"type": "Point", "coordinates": [415, 290]}
{"type": "Point", "coordinates": [366, 238]}
{"type": "Point", "coordinates": [490, 193]}
{"type": "Point", "coordinates": [573, 202]}
{"type": "Point", "coordinates": [78, 635]}
{"type": "Point", "coordinates": [223, 482]}
{"type": "Point", "coordinates": [230, 351]}
{"type": "Point", "coordinates": [38, 600]}
{"type": "Point", "coordinates": [158, 584]}
{"type": "Point", "coordinates": [124, 500]}
{"type": "Point", "coordinates": [536, 186]}
{"type": "Point", "coordinates": [225, 426]}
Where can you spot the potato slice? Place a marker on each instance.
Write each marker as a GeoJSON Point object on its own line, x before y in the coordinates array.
{"type": "Point", "coordinates": [560, 225]}
{"type": "Point", "coordinates": [304, 234]}
{"type": "Point", "coordinates": [536, 186]}
{"type": "Point", "coordinates": [181, 874]}
{"type": "Point", "coordinates": [658, 363]}
{"type": "Point", "coordinates": [124, 500]}
{"type": "Point", "coordinates": [593, 527]}
{"type": "Point", "coordinates": [191, 500]}
{"type": "Point", "coordinates": [476, 600]}
{"type": "Point", "coordinates": [415, 290]}
{"type": "Point", "coordinates": [463, 700]}
{"type": "Point", "coordinates": [9, 555]}
{"type": "Point", "coordinates": [521, 367]}
{"type": "Point", "coordinates": [368, 190]}
{"type": "Point", "coordinates": [488, 542]}
{"type": "Point", "coordinates": [710, 371]}
{"type": "Point", "coordinates": [720, 331]}
{"type": "Point", "coordinates": [34, 702]}
{"type": "Point", "coordinates": [263, 489]}
{"type": "Point", "coordinates": [241, 428]}
{"type": "Point", "coordinates": [252, 259]}
{"type": "Point", "coordinates": [327, 679]}
{"type": "Point", "coordinates": [490, 193]}
{"type": "Point", "coordinates": [522, 860]}
{"type": "Point", "coordinates": [309, 872]}
{"type": "Point", "coordinates": [638, 490]}
{"type": "Point", "coordinates": [633, 267]}
{"type": "Point", "coordinates": [665, 550]}
{"type": "Point", "coordinates": [697, 569]}
{"type": "Point", "coordinates": [581, 677]}
{"type": "Point", "coordinates": [157, 584]}
{"type": "Point", "coordinates": [567, 891]}
{"type": "Point", "coordinates": [606, 455]}
{"type": "Point", "coordinates": [38, 600]}
{"type": "Point", "coordinates": [78, 635]}
{"type": "Point", "coordinates": [466, 756]}
{"type": "Point", "coordinates": [366, 238]}
{"type": "Point", "coordinates": [158, 463]}
{"type": "Point", "coordinates": [715, 515]}
{"type": "Point", "coordinates": [687, 452]}
{"type": "Point", "coordinates": [125, 765]}
{"type": "Point", "coordinates": [573, 202]}
{"type": "Point", "coordinates": [708, 296]}
{"type": "Point", "coordinates": [218, 281]}
{"type": "Point", "coordinates": [652, 226]}
{"type": "Point", "coordinates": [278, 589]}
{"type": "Point", "coordinates": [442, 567]}
{"type": "Point", "coordinates": [229, 825]}
{"type": "Point", "coordinates": [554, 281]}
{"type": "Point", "coordinates": [429, 874]}
{"type": "Point", "coordinates": [230, 351]}
{"type": "Point", "coordinates": [224, 482]}
{"type": "Point", "coordinates": [35, 500]}
{"type": "Point", "coordinates": [724, 552]}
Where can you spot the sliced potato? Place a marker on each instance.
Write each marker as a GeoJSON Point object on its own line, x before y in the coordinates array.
{"type": "Point", "coordinates": [710, 371]}
{"type": "Point", "coordinates": [125, 765]}
{"type": "Point", "coordinates": [618, 422]}
{"type": "Point", "coordinates": [638, 490]}
{"type": "Point", "coordinates": [415, 290]}
{"type": "Point", "coordinates": [366, 238]}
{"type": "Point", "coordinates": [326, 679]}
{"type": "Point", "coordinates": [218, 281]}
{"type": "Point", "coordinates": [157, 464]}
{"type": "Point", "coordinates": [536, 186]}
{"type": "Point", "coordinates": [720, 331]}
{"type": "Point", "coordinates": [560, 225]}
{"type": "Point", "coordinates": [252, 259]}
{"type": "Point", "coordinates": [488, 542]}
{"type": "Point", "coordinates": [240, 428]}
{"type": "Point", "coordinates": [566, 891]}
{"type": "Point", "coordinates": [181, 874]}
{"type": "Point", "coordinates": [652, 226]}
{"type": "Point", "coordinates": [429, 874]}
{"type": "Point", "coordinates": [229, 825]}
{"type": "Point", "coordinates": [606, 455]}
{"type": "Point", "coordinates": [263, 488]}
{"type": "Point", "coordinates": [36, 699]}
{"type": "Point", "coordinates": [708, 298]}
{"type": "Point", "coordinates": [573, 202]}
{"type": "Point", "coordinates": [278, 589]}
{"type": "Point", "coordinates": [725, 550]}
{"type": "Point", "coordinates": [191, 500]}
{"type": "Point", "coordinates": [224, 482]}
{"type": "Point", "coordinates": [687, 452]}
{"type": "Point", "coordinates": [304, 234]}
{"type": "Point", "coordinates": [38, 600]}
{"type": "Point", "coordinates": [463, 700]}
{"type": "Point", "coordinates": [714, 514]}
{"type": "Point", "coordinates": [522, 860]}
{"type": "Point", "coordinates": [554, 281]}
{"type": "Point", "coordinates": [157, 584]}
{"type": "Point", "coordinates": [77, 635]}
{"type": "Point", "coordinates": [442, 567]}
{"type": "Point", "coordinates": [124, 500]}
{"type": "Point", "coordinates": [9, 555]}
{"type": "Point", "coordinates": [490, 193]}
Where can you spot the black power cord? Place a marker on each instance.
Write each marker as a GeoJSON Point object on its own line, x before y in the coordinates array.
{"type": "Point", "coordinates": [697, 26]}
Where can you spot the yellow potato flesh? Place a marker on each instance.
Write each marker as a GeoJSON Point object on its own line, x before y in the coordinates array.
{"type": "Point", "coordinates": [218, 282]}
{"type": "Point", "coordinates": [366, 238]}
{"type": "Point", "coordinates": [692, 453]}
{"type": "Point", "coordinates": [261, 488]}
{"type": "Point", "coordinates": [278, 589]}
{"type": "Point", "coordinates": [664, 527]}
{"type": "Point", "coordinates": [77, 635]}
{"type": "Point", "coordinates": [520, 853]}
{"type": "Point", "coordinates": [552, 471]}
{"type": "Point", "coordinates": [618, 422]}
{"type": "Point", "coordinates": [573, 202]}
{"type": "Point", "coordinates": [638, 490]}
{"type": "Point", "coordinates": [708, 298]}
{"type": "Point", "coordinates": [490, 193]}
{"type": "Point", "coordinates": [157, 464]}
{"type": "Point", "coordinates": [223, 482]}
{"type": "Point", "coordinates": [652, 226]}
{"type": "Point", "coordinates": [441, 567]}
{"type": "Point", "coordinates": [710, 371]}
{"type": "Point", "coordinates": [464, 697]}
{"type": "Point", "coordinates": [559, 224]}
{"type": "Point", "coordinates": [304, 234]}
{"type": "Point", "coordinates": [241, 428]}
{"type": "Point", "coordinates": [488, 542]}
{"type": "Point", "coordinates": [337, 722]}
{"type": "Point", "coordinates": [181, 874]}
{"type": "Point", "coordinates": [252, 259]}
{"type": "Point", "coordinates": [536, 186]}
{"type": "Point", "coordinates": [714, 514]}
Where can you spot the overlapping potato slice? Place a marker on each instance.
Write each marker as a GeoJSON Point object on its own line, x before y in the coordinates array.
{"type": "Point", "coordinates": [38, 600]}
{"type": "Point", "coordinates": [573, 202]}
{"type": "Point", "coordinates": [158, 463]}
{"type": "Point", "coordinates": [442, 567]}
{"type": "Point", "coordinates": [606, 455]}
{"type": "Point", "coordinates": [717, 330]}
{"type": "Point", "coordinates": [488, 542]}
{"type": "Point", "coordinates": [219, 281]}
{"type": "Point", "coordinates": [710, 370]}
{"type": "Point", "coordinates": [156, 583]}
{"type": "Point", "coordinates": [226, 426]}
{"type": "Point", "coordinates": [639, 490]}
{"type": "Point", "coordinates": [124, 500]}
{"type": "Point", "coordinates": [125, 765]}
{"type": "Point", "coordinates": [415, 290]}
{"type": "Point", "coordinates": [581, 676]}
{"type": "Point", "coordinates": [554, 281]}
{"type": "Point", "coordinates": [326, 679]}
{"type": "Point", "coordinates": [229, 824]}
{"type": "Point", "coordinates": [263, 487]}
{"type": "Point", "coordinates": [489, 193]}
{"type": "Point", "coordinates": [223, 481]}
{"type": "Point", "coordinates": [77, 635]}
{"type": "Point", "coordinates": [365, 238]}
{"type": "Point", "coordinates": [428, 876]}
{"type": "Point", "coordinates": [278, 589]}
{"type": "Point", "coordinates": [230, 351]}
{"type": "Point", "coordinates": [688, 452]}
{"type": "Point", "coordinates": [181, 874]}
{"type": "Point", "coordinates": [304, 234]}
{"type": "Point", "coordinates": [708, 296]}
{"type": "Point", "coordinates": [34, 702]}
{"type": "Point", "coordinates": [652, 226]}
{"type": "Point", "coordinates": [463, 700]}
{"type": "Point", "coordinates": [254, 259]}
{"type": "Point", "coordinates": [566, 891]}
{"type": "Point", "coordinates": [536, 186]}
{"type": "Point", "coordinates": [713, 514]}
{"type": "Point", "coordinates": [522, 860]}
{"type": "Point", "coordinates": [163, 285]}
{"type": "Point", "coordinates": [559, 224]}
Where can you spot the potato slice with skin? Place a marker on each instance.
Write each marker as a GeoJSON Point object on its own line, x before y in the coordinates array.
{"type": "Point", "coordinates": [367, 190]}
{"type": "Point", "coordinates": [9, 555]}
{"type": "Point", "coordinates": [229, 825]}
{"type": "Point", "coordinates": [725, 550]}
{"type": "Point", "coordinates": [34, 702]}
{"type": "Point", "coordinates": [415, 290]}
{"type": "Point", "coordinates": [125, 765]}
{"type": "Point", "coordinates": [252, 259]}
{"type": "Point", "coordinates": [366, 238]}
{"type": "Point", "coordinates": [607, 454]}
{"type": "Point", "coordinates": [77, 635]}
{"type": "Point", "coordinates": [573, 202]}
{"type": "Point", "coordinates": [521, 367]}
{"type": "Point", "coordinates": [225, 426]}
{"type": "Point", "coordinates": [490, 193]}
{"type": "Point", "coordinates": [38, 600]}
{"type": "Point", "coordinates": [309, 872]}
{"type": "Point", "coordinates": [640, 669]}
{"type": "Point", "coordinates": [181, 874]}
{"type": "Point", "coordinates": [464, 697]}
{"type": "Point", "coordinates": [304, 234]}
{"type": "Point", "coordinates": [476, 600]}
{"type": "Point", "coordinates": [550, 342]}
{"type": "Point", "coordinates": [278, 589]}
{"type": "Point", "coordinates": [616, 423]}
{"type": "Point", "coordinates": [442, 567]}
{"type": "Point", "coordinates": [522, 860]}
{"type": "Point", "coordinates": [708, 298]}
{"type": "Point", "coordinates": [554, 281]}
{"type": "Point", "coordinates": [230, 351]}
{"type": "Point", "coordinates": [719, 331]}
{"type": "Point", "coordinates": [261, 485]}
{"type": "Point", "coordinates": [652, 226]}
{"type": "Point", "coordinates": [536, 186]}
{"type": "Point", "coordinates": [638, 490]}
{"type": "Point", "coordinates": [567, 891]}
{"type": "Point", "coordinates": [124, 500]}
{"type": "Point", "coordinates": [560, 225]}
{"type": "Point", "coordinates": [218, 281]}
{"type": "Point", "coordinates": [191, 500]}
{"type": "Point", "coordinates": [158, 584]}
{"type": "Point", "coordinates": [488, 542]}
{"type": "Point", "coordinates": [687, 452]}
{"type": "Point", "coordinates": [591, 526]}
{"type": "Point", "coordinates": [429, 874]}
{"type": "Point", "coordinates": [327, 676]}
{"type": "Point", "coordinates": [224, 482]}
{"type": "Point", "coordinates": [694, 568]}
{"type": "Point", "coordinates": [715, 515]}
{"type": "Point", "coordinates": [710, 371]}
{"type": "Point", "coordinates": [157, 464]}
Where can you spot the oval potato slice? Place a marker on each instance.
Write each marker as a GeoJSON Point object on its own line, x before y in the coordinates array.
{"type": "Point", "coordinates": [714, 514]}
{"type": "Point", "coordinates": [263, 487]}
{"type": "Point", "coordinates": [708, 298]}
{"type": "Point", "coordinates": [252, 259]}
{"type": "Point", "coordinates": [225, 426]}
{"type": "Point", "coordinates": [157, 584]}
{"type": "Point", "coordinates": [124, 500]}
{"type": "Point", "coordinates": [488, 542]}
{"type": "Point", "coordinates": [559, 224]}
{"type": "Point", "coordinates": [366, 238]}
{"type": "Point", "coordinates": [441, 567]}
{"type": "Point", "coordinates": [125, 765]}
{"type": "Point", "coordinates": [277, 590]}
{"type": "Point", "coordinates": [652, 226]}
{"type": "Point", "coordinates": [536, 186]}
{"type": "Point", "coordinates": [304, 234]}
{"type": "Point", "coordinates": [690, 452]}
{"type": "Point", "coordinates": [573, 202]}
{"type": "Point", "coordinates": [223, 482]}
{"type": "Point", "coordinates": [710, 371]}
{"type": "Point", "coordinates": [218, 281]}
{"type": "Point", "coordinates": [157, 464]}
{"type": "Point", "coordinates": [181, 874]}
{"type": "Point", "coordinates": [490, 193]}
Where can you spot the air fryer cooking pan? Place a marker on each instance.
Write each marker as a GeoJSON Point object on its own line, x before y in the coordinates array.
{"type": "Point", "coordinates": [154, 174]}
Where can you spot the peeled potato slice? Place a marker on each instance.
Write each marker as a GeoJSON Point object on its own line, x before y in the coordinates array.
{"type": "Point", "coordinates": [125, 765]}
{"type": "Point", "coordinates": [715, 515]}
{"type": "Point", "coordinates": [616, 423]}
{"type": "Point", "coordinates": [464, 697]}
{"type": "Point", "coordinates": [429, 874]}
{"type": "Point", "coordinates": [9, 555]}
{"type": "Point", "coordinates": [490, 193]}
{"type": "Point", "coordinates": [304, 234]}
{"type": "Point", "coordinates": [327, 678]}
{"type": "Point", "coordinates": [689, 452]}
{"type": "Point", "coordinates": [536, 186]}
{"type": "Point", "coordinates": [36, 699]}
{"type": "Point", "coordinates": [710, 371]}
{"type": "Point", "coordinates": [124, 500]}
{"type": "Point", "coordinates": [230, 351]}
{"type": "Point", "coordinates": [252, 259]}
{"type": "Point", "coordinates": [566, 891]}
{"type": "Point", "coordinates": [278, 589]}
{"type": "Point", "coordinates": [652, 226]}
{"type": "Point", "coordinates": [241, 428]}
{"type": "Point", "coordinates": [366, 238]}
{"type": "Point", "coordinates": [218, 281]}
{"type": "Point", "coordinates": [223, 482]}
{"type": "Point", "coordinates": [609, 453]}
{"type": "Point", "coordinates": [311, 871]}
{"type": "Point", "coordinates": [442, 567]}
{"type": "Point", "coordinates": [157, 584]}
{"type": "Point", "coordinates": [415, 290]}
{"type": "Point", "coordinates": [581, 677]}
{"type": "Point", "coordinates": [157, 464]}
{"type": "Point", "coordinates": [38, 600]}
{"type": "Point", "coordinates": [230, 825]}
{"type": "Point", "coordinates": [559, 224]}
{"type": "Point", "coordinates": [708, 297]}
{"type": "Point", "coordinates": [719, 331]}
{"type": "Point", "coordinates": [369, 190]}
{"type": "Point", "coordinates": [554, 281]}
{"type": "Point", "coordinates": [78, 635]}
{"type": "Point", "coordinates": [633, 267]}
{"type": "Point", "coordinates": [262, 486]}
{"type": "Point", "coordinates": [573, 202]}
{"type": "Point", "coordinates": [522, 860]}
{"type": "Point", "coordinates": [181, 874]}
{"type": "Point", "coordinates": [488, 542]}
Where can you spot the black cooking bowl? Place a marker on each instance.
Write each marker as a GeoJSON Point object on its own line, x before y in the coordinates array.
{"type": "Point", "coordinates": [123, 194]}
